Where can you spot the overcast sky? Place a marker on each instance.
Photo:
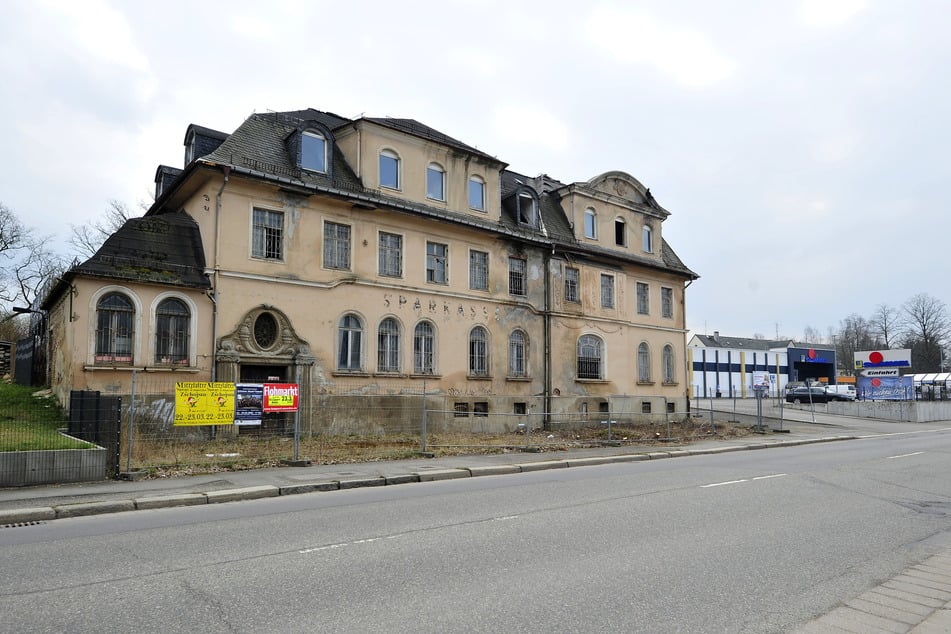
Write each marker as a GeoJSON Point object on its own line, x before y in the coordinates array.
{"type": "Point", "coordinates": [801, 147]}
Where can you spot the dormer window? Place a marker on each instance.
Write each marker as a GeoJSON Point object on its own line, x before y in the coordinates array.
{"type": "Point", "coordinates": [435, 182]}
{"type": "Point", "coordinates": [527, 210]}
{"type": "Point", "coordinates": [477, 193]}
{"type": "Point", "coordinates": [313, 152]}
{"type": "Point", "coordinates": [389, 169]}
{"type": "Point", "coordinates": [647, 242]}
{"type": "Point", "coordinates": [590, 224]}
{"type": "Point", "coordinates": [620, 232]}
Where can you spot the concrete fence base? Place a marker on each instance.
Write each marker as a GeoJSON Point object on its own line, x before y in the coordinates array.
{"type": "Point", "coordinates": [23, 468]}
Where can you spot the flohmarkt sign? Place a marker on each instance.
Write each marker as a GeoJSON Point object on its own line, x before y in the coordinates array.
{"type": "Point", "coordinates": [201, 403]}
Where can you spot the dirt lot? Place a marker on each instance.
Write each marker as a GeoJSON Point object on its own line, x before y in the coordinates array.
{"type": "Point", "coordinates": [166, 458]}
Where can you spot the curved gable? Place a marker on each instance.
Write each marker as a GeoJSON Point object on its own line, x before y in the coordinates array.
{"type": "Point", "coordinates": [622, 185]}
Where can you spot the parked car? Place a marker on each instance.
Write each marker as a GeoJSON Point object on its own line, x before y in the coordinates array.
{"type": "Point", "coordinates": [841, 392]}
{"type": "Point", "coordinates": [808, 394]}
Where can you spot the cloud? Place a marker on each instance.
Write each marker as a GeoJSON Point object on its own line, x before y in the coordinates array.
{"type": "Point", "coordinates": [829, 13]}
{"type": "Point", "coordinates": [685, 55]}
{"type": "Point", "coordinates": [527, 124]}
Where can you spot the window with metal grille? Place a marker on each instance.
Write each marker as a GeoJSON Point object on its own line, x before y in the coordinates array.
{"type": "Point", "coordinates": [267, 234]}
{"type": "Point", "coordinates": [115, 316]}
{"type": "Point", "coordinates": [517, 269]}
{"type": "Point", "coordinates": [391, 254]}
{"type": "Point", "coordinates": [589, 357]}
{"type": "Point", "coordinates": [645, 407]}
{"type": "Point", "coordinates": [643, 299]}
{"type": "Point", "coordinates": [436, 262]}
{"type": "Point", "coordinates": [607, 291]}
{"type": "Point", "coordinates": [572, 279]}
{"type": "Point", "coordinates": [478, 352]}
{"type": "Point", "coordinates": [388, 346]}
{"type": "Point", "coordinates": [350, 340]}
{"type": "Point", "coordinates": [643, 363]}
{"type": "Point", "coordinates": [424, 344]}
{"type": "Point", "coordinates": [336, 246]}
{"type": "Point", "coordinates": [478, 270]}
{"type": "Point", "coordinates": [517, 354]}
{"type": "Point", "coordinates": [172, 328]}
{"type": "Point", "coordinates": [666, 302]}
{"type": "Point", "coordinates": [460, 410]}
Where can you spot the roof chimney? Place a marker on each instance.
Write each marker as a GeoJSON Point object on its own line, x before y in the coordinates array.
{"type": "Point", "coordinates": [716, 336]}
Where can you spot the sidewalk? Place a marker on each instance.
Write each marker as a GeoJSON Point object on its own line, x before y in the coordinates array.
{"type": "Point", "coordinates": [46, 502]}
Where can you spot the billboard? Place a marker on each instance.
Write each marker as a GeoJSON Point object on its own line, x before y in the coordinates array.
{"type": "Point", "coordinates": [202, 403]}
{"type": "Point", "coordinates": [883, 359]}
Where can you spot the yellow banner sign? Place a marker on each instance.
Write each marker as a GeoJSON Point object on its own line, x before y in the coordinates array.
{"type": "Point", "coordinates": [199, 403]}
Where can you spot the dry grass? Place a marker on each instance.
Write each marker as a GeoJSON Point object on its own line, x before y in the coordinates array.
{"type": "Point", "coordinates": [176, 457]}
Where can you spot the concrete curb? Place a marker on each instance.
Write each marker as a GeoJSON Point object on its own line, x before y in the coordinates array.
{"type": "Point", "coordinates": [41, 514]}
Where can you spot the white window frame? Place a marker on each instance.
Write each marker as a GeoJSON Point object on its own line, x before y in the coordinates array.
{"type": "Point", "coordinates": [479, 183]}
{"type": "Point", "coordinates": [643, 299]}
{"type": "Point", "coordinates": [264, 231]}
{"type": "Point", "coordinates": [590, 226]}
{"type": "Point", "coordinates": [393, 156]}
{"type": "Point", "coordinates": [435, 170]}
{"type": "Point", "coordinates": [313, 134]}
{"type": "Point", "coordinates": [478, 271]}
{"type": "Point", "coordinates": [607, 290]}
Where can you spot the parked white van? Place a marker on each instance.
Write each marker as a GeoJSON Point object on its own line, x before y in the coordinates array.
{"type": "Point", "coordinates": [844, 391]}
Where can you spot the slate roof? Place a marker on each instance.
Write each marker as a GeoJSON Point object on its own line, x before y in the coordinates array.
{"type": "Point", "coordinates": [164, 249]}
{"type": "Point", "coordinates": [423, 131]}
{"type": "Point", "coordinates": [258, 149]}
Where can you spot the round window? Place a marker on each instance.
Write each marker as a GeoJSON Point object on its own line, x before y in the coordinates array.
{"type": "Point", "coordinates": [265, 330]}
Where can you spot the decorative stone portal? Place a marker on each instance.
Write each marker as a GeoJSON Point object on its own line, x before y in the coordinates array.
{"type": "Point", "coordinates": [263, 338]}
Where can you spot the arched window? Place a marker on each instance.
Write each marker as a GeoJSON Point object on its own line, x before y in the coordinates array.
{"type": "Point", "coordinates": [643, 363]}
{"type": "Point", "coordinates": [424, 348]}
{"type": "Point", "coordinates": [589, 357]}
{"type": "Point", "coordinates": [518, 354]}
{"type": "Point", "coordinates": [590, 224]}
{"type": "Point", "coordinates": [477, 193]}
{"type": "Point", "coordinates": [115, 316]}
{"type": "Point", "coordinates": [350, 343]}
{"type": "Point", "coordinates": [647, 240]}
{"type": "Point", "coordinates": [388, 346]}
{"type": "Point", "coordinates": [313, 151]}
{"type": "Point", "coordinates": [435, 182]}
{"type": "Point", "coordinates": [389, 169]}
{"type": "Point", "coordinates": [668, 361]}
{"type": "Point", "coordinates": [478, 352]}
{"type": "Point", "coordinates": [172, 329]}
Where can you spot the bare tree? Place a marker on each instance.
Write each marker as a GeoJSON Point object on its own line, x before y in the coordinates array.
{"type": "Point", "coordinates": [86, 239]}
{"type": "Point", "coordinates": [855, 334]}
{"type": "Point", "coordinates": [26, 263]}
{"type": "Point", "coordinates": [811, 335]}
{"type": "Point", "coordinates": [927, 328]}
{"type": "Point", "coordinates": [886, 321]}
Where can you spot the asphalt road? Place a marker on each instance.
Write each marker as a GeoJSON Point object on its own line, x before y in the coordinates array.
{"type": "Point", "coordinates": [754, 541]}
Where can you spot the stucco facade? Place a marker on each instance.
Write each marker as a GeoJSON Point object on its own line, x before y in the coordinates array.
{"type": "Point", "coordinates": [398, 256]}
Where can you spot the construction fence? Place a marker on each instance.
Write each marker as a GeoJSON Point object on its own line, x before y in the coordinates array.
{"type": "Point", "coordinates": [357, 420]}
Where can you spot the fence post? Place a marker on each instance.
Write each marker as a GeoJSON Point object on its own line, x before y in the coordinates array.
{"type": "Point", "coordinates": [128, 459]}
{"type": "Point", "coordinates": [422, 440]}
